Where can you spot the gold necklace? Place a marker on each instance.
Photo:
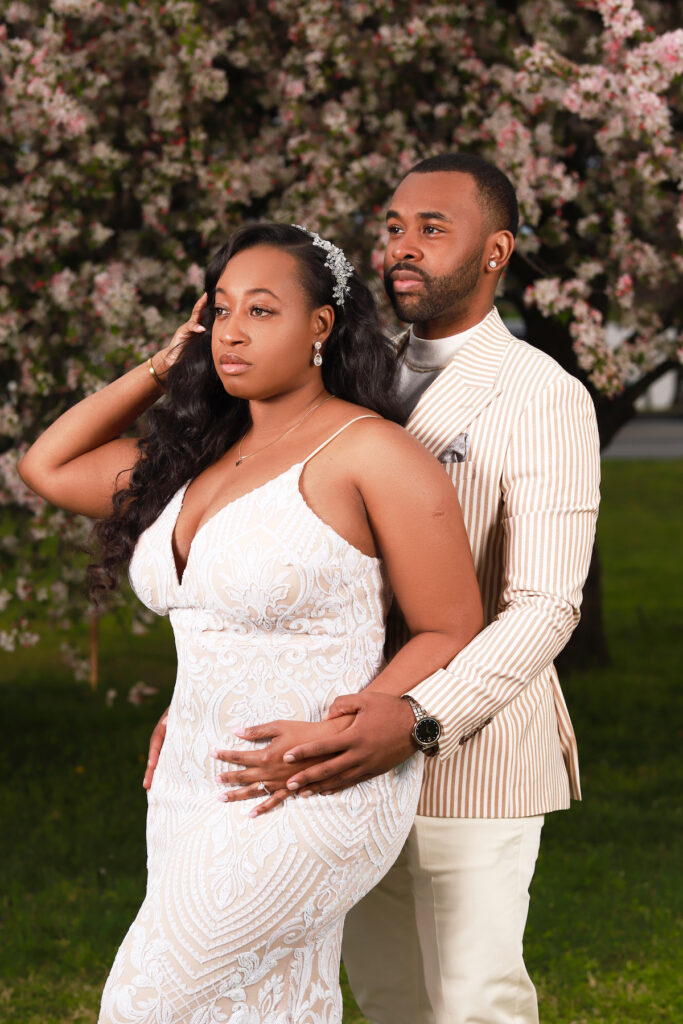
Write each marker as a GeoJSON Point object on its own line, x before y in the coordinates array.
{"type": "Point", "coordinates": [241, 458]}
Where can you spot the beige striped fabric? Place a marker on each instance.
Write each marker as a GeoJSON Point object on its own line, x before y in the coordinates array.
{"type": "Point", "coordinates": [529, 491]}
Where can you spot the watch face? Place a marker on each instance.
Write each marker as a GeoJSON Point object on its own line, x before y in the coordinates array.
{"type": "Point", "coordinates": [427, 732]}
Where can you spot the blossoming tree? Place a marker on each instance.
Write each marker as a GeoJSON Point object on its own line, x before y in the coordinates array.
{"type": "Point", "coordinates": [135, 135]}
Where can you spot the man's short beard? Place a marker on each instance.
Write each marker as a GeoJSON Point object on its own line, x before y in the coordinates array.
{"type": "Point", "coordinates": [440, 292]}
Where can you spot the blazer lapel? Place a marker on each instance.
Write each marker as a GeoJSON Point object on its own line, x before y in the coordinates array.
{"type": "Point", "coordinates": [464, 388]}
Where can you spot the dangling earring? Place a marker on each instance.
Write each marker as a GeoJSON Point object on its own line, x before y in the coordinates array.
{"type": "Point", "coordinates": [493, 264]}
{"type": "Point", "coordinates": [317, 358]}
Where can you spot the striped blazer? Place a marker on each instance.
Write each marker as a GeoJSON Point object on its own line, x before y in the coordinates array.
{"type": "Point", "coordinates": [529, 491]}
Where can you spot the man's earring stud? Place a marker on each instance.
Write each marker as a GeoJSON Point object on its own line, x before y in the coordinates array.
{"type": "Point", "coordinates": [493, 264]}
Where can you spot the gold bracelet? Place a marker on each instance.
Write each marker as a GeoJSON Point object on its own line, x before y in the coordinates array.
{"type": "Point", "coordinates": [154, 374]}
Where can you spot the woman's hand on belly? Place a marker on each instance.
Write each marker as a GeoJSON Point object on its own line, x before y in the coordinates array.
{"type": "Point", "coordinates": [265, 766]}
{"type": "Point", "coordinates": [156, 742]}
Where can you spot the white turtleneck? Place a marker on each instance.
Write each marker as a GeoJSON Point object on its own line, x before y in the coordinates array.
{"type": "Point", "coordinates": [430, 358]}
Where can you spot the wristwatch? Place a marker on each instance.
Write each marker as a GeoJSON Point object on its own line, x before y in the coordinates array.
{"type": "Point", "coordinates": [426, 731]}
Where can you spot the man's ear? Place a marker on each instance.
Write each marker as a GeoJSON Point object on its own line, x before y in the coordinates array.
{"type": "Point", "coordinates": [497, 251]}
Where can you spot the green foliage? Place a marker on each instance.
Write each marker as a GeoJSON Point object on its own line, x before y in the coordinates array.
{"type": "Point", "coordinates": [605, 931]}
{"type": "Point", "coordinates": [604, 935]}
{"type": "Point", "coordinates": [135, 136]}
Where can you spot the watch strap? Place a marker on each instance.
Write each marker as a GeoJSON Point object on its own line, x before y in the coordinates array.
{"type": "Point", "coordinates": [418, 710]}
{"type": "Point", "coordinates": [420, 714]}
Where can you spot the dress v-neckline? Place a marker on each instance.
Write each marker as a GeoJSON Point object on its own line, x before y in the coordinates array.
{"type": "Point", "coordinates": [375, 560]}
{"type": "Point", "coordinates": [180, 576]}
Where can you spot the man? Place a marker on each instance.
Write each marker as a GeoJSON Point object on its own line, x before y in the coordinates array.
{"type": "Point", "coordinates": [517, 436]}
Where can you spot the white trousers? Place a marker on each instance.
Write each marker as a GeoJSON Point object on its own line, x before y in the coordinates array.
{"type": "Point", "coordinates": [439, 940]}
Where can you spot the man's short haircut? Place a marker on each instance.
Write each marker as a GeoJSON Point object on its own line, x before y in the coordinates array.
{"type": "Point", "coordinates": [495, 191]}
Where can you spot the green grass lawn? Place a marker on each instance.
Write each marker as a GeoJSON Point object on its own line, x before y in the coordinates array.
{"type": "Point", "coordinates": [604, 936]}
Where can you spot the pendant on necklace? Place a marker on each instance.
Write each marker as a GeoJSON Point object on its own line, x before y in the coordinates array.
{"type": "Point", "coordinates": [240, 461]}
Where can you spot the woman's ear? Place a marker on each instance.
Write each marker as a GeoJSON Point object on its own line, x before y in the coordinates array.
{"type": "Point", "coordinates": [322, 322]}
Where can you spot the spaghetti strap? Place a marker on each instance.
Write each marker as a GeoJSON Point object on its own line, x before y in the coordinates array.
{"type": "Point", "coordinates": [367, 416]}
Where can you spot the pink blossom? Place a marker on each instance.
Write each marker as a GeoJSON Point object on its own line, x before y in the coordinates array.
{"type": "Point", "coordinates": [624, 284]}
{"type": "Point", "coordinates": [136, 152]}
{"type": "Point", "coordinates": [140, 691]}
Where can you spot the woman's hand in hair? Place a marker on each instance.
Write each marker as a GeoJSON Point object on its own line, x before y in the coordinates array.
{"type": "Point", "coordinates": [85, 457]}
{"type": "Point", "coordinates": [166, 357]}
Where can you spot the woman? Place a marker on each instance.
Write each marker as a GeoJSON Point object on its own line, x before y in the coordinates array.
{"type": "Point", "coordinates": [255, 511]}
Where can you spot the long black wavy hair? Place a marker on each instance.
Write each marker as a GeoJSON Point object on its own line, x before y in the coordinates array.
{"type": "Point", "coordinates": [197, 421]}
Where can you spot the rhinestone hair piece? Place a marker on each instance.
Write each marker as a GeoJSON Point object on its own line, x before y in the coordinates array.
{"type": "Point", "coordinates": [336, 262]}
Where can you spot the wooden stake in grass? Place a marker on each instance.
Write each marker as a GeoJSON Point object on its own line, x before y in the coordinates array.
{"type": "Point", "coordinates": [94, 649]}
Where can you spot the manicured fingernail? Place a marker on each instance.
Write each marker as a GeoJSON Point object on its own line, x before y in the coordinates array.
{"type": "Point", "coordinates": [223, 797]}
{"type": "Point", "coordinates": [198, 327]}
{"type": "Point", "coordinates": [306, 792]}
{"type": "Point", "coordinates": [238, 732]}
{"type": "Point", "coordinates": [288, 758]}
{"type": "Point", "coordinates": [292, 785]}
{"type": "Point", "coordinates": [253, 814]}
{"type": "Point", "coordinates": [213, 752]}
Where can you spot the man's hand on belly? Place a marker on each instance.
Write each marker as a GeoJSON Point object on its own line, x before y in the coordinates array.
{"type": "Point", "coordinates": [266, 766]}
{"type": "Point", "coordinates": [376, 736]}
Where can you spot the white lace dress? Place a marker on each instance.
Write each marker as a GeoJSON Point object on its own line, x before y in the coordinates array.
{"type": "Point", "coordinates": [275, 616]}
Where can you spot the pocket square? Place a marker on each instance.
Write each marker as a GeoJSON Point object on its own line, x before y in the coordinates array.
{"type": "Point", "coordinates": [457, 450]}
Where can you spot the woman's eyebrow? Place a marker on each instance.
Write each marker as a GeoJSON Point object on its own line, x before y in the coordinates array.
{"type": "Point", "coordinates": [250, 291]}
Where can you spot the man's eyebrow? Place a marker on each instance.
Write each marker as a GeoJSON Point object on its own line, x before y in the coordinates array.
{"type": "Point", "coordinates": [435, 215]}
{"type": "Point", "coordinates": [423, 215]}
{"type": "Point", "coordinates": [250, 291]}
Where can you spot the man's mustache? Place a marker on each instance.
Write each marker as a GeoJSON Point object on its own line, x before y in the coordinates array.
{"type": "Point", "coordinates": [408, 268]}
